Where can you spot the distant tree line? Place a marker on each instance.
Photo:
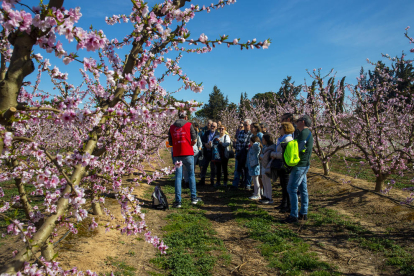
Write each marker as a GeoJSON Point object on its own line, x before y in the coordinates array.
{"type": "Point", "coordinates": [402, 75]}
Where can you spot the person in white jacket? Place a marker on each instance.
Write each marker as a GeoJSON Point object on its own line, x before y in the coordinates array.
{"type": "Point", "coordinates": [224, 141]}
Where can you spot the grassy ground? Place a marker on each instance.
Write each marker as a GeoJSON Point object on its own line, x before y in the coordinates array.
{"type": "Point", "coordinates": [194, 248]}
{"type": "Point", "coordinates": [352, 167]}
{"type": "Point", "coordinates": [393, 254]}
{"type": "Point", "coordinates": [282, 247]}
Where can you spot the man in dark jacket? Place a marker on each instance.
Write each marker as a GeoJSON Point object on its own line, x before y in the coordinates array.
{"type": "Point", "coordinates": [205, 128]}
{"type": "Point", "coordinates": [207, 141]}
{"type": "Point", "coordinates": [242, 145]}
{"type": "Point", "coordinates": [182, 136]}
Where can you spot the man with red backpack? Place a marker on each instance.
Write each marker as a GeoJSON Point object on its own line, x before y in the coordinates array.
{"type": "Point", "coordinates": [182, 136]}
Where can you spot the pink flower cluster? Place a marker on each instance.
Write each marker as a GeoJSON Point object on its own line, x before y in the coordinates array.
{"type": "Point", "coordinates": [156, 242]}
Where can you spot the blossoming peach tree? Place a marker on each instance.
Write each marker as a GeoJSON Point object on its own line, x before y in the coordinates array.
{"type": "Point", "coordinates": [72, 146]}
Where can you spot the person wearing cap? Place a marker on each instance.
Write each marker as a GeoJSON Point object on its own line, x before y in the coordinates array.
{"type": "Point", "coordinates": [297, 179]}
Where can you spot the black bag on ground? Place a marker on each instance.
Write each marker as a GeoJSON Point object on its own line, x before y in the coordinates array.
{"type": "Point", "coordinates": [159, 200]}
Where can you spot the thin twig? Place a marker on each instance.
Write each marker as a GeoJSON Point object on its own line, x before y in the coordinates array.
{"type": "Point", "coordinates": [280, 252]}
{"type": "Point", "coordinates": [238, 267]}
{"type": "Point", "coordinates": [351, 259]}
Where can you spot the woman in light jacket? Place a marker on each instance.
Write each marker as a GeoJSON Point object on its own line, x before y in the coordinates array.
{"type": "Point", "coordinates": [268, 148]}
{"type": "Point", "coordinates": [223, 140]}
{"type": "Point", "coordinates": [286, 131]}
{"type": "Point", "coordinates": [253, 165]}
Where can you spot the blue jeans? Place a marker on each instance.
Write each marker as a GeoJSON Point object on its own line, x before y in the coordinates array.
{"type": "Point", "coordinates": [238, 175]}
{"type": "Point", "coordinates": [185, 173]}
{"type": "Point", "coordinates": [298, 182]}
{"type": "Point", "coordinates": [188, 163]}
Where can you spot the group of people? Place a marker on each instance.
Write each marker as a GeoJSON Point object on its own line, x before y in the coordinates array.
{"type": "Point", "coordinates": [259, 159]}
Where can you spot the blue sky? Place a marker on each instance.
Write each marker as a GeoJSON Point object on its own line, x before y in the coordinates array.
{"type": "Point", "coordinates": [305, 35]}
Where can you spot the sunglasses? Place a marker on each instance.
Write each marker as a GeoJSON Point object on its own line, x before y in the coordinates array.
{"type": "Point", "coordinates": [221, 128]}
{"type": "Point", "coordinates": [213, 127]}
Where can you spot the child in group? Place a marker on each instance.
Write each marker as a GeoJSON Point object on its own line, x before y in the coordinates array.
{"type": "Point", "coordinates": [253, 165]}
{"type": "Point", "coordinates": [265, 160]}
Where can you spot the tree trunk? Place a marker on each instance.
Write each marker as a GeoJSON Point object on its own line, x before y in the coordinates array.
{"type": "Point", "coordinates": [379, 183]}
{"type": "Point", "coordinates": [326, 168]}
{"type": "Point", "coordinates": [96, 207]}
{"type": "Point", "coordinates": [48, 251]}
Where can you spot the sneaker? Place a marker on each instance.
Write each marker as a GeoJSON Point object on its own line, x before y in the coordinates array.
{"type": "Point", "coordinates": [176, 205]}
{"type": "Point", "coordinates": [196, 201]}
{"type": "Point", "coordinates": [290, 219]}
{"type": "Point", "coordinates": [248, 188]}
{"type": "Point", "coordinates": [302, 217]}
{"type": "Point", "coordinates": [254, 197]}
{"type": "Point", "coordinates": [267, 201]}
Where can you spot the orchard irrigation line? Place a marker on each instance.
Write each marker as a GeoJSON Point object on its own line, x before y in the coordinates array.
{"type": "Point", "coordinates": [410, 206]}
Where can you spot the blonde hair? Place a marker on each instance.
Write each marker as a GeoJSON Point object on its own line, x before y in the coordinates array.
{"type": "Point", "coordinates": [288, 128]}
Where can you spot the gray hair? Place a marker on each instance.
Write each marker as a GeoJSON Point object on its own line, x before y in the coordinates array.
{"type": "Point", "coordinates": [248, 121]}
{"type": "Point", "coordinates": [296, 117]}
{"type": "Point", "coordinates": [210, 121]}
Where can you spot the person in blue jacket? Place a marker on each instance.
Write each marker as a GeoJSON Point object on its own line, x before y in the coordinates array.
{"type": "Point", "coordinates": [253, 165]}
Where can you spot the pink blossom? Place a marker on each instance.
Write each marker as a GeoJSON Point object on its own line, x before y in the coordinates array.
{"type": "Point", "coordinates": [266, 44]}
{"type": "Point", "coordinates": [203, 38]}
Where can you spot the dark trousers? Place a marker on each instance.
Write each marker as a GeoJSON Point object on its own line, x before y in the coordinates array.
{"type": "Point", "coordinates": [206, 162]}
{"type": "Point", "coordinates": [222, 167]}
{"type": "Point", "coordinates": [284, 180]}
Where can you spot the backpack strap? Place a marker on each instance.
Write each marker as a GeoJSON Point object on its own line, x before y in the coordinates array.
{"type": "Point", "coordinates": [306, 140]}
{"type": "Point", "coordinates": [303, 143]}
